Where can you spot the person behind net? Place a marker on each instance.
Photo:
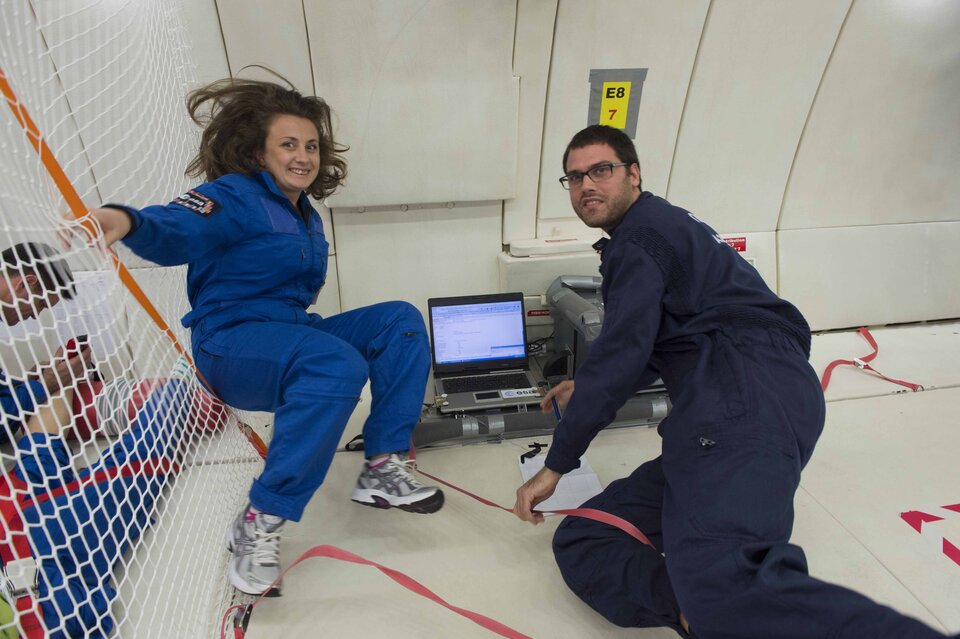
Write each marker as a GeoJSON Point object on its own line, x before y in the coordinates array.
{"type": "Point", "coordinates": [257, 259]}
{"type": "Point", "coordinates": [34, 277]}
{"type": "Point", "coordinates": [747, 411]}
{"type": "Point", "coordinates": [71, 527]}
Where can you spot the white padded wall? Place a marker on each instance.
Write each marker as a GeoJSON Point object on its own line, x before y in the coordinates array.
{"type": "Point", "coordinates": [757, 71]}
{"type": "Point", "coordinates": [883, 142]}
{"type": "Point", "coordinates": [425, 95]}
{"type": "Point", "coordinates": [617, 34]}
{"type": "Point", "coordinates": [869, 275]}
{"type": "Point", "coordinates": [206, 39]}
{"type": "Point", "coordinates": [531, 63]}
{"type": "Point", "coordinates": [876, 168]}
{"type": "Point", "coordinates": [386, 253]}
{"type": "Point", "coordinates": [273, 35]}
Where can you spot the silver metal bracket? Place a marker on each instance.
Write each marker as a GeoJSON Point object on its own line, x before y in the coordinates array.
{"type": "Point", "coordinates": [19, 578]}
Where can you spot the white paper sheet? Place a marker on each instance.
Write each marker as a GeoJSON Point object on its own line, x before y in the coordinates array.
{"type": "Point", "coordinates": [574, 488]}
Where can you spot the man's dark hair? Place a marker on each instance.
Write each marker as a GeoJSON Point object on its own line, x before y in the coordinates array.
{"type": "Point", "coordinates": [43, 261]}
{"type": "Point", "coordinates": [616, 139]}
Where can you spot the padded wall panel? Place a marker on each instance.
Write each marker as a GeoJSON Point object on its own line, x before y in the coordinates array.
{"type": "Point", "coordinates": [386, 253]}
{"type": "Point", "coordinates": [274, 36]}
{"type": "Point", "coordinates": [203, 30]}
{"type": "Point", "coordinates": [425, 96]}
{"type": "Point", "coordinates": [757, 72]}
{"type": "Point", "coordinates": [533, 275]}
{"type": "Point", "coordinates": [760, 250]}
{"type": "Point", "coordinates": [531, 63]}
{"type": "Point", "coordinates": [107, 131]}
{"type": "Point", "coordinates": [618, 34]}
{"type": "Point", "coordinates": [855, 276]}
{"type": "Point", "coordinates": [882, 144]}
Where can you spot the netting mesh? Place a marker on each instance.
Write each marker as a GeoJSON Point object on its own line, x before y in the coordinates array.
{"type": "Point", "coordinates": [120, 474]}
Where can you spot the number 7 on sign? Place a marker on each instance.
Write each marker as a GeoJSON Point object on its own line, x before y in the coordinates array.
{"type": "Point", "coordinates": [613, 104]}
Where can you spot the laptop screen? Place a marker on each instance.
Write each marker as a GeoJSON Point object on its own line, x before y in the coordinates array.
{"type": "Point", "coordinates": [481, 332]}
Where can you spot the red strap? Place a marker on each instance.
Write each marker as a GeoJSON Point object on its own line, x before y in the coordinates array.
{"type": "Point", "coordinates": [586, 513]}
{"type": "Point", "coordinates": [862, 364]}
{"type": "Point", "coordinates": [407, 582]}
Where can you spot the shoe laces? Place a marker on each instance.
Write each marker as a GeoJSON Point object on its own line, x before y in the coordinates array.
{"type": "Point", "coordinates": [266, 547]}
{"type": "Point", "coordinates": [404, 468]}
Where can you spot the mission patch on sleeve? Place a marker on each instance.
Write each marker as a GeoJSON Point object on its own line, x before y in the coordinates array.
{"type": "Point", "coordinates": [198, 203]}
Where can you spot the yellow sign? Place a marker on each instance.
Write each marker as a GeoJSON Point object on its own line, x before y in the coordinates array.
{"type": "Point", "coordinates": [613, 104]}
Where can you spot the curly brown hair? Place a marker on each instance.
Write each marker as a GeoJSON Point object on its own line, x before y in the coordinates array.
{"type": "Point", "coordinates": [235, 128]}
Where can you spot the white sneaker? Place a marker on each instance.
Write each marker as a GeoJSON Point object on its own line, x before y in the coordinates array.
{"type": "Point", "coordinates": [392, 485]}
{"type": "Point", "coordinates": [254, 540]}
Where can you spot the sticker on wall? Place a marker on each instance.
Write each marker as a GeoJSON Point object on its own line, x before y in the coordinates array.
{"type": "Point", "coordinates": [615, 98]}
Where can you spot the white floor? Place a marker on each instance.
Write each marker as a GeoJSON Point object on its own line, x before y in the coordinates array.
{"type": "Point", "coordinates": [882, 453]}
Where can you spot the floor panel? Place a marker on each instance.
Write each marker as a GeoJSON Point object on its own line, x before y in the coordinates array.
{"type": "Point", "coordinates": [882, 453]}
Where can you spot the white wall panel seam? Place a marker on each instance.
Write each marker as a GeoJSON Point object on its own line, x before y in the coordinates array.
{"type": "Point", "coordinates": [306, 30]}
{"type": "Point", "coordinates": [806, 121]}
{"type": "Point", "coordinates": [510, 231]}
{"type": "Point", "coordinates": [796, 151]}
{"type": "Point", "coordinates": [683, 110]}
{"type": "Point", "coordinates": [223, 38]}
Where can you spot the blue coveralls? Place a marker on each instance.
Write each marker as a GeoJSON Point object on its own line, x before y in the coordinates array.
{"type": "Point", "coordinates": [747, 412]}
{"type": "Point", "coordinates": [80, 524]}
{"type": "Point", "coordinates": [256, 264]}
{"type": "Point", "coordinates": [17, 398]}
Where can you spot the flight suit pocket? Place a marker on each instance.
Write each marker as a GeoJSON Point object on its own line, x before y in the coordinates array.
{"type": "Point", "coordinates": [281, 217]}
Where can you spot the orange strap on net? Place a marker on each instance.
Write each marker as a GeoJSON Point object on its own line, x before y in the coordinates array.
{"type": "Point", "coordinates": [79, 211]}
{"type": "Point", "coordinates": [863, 364]}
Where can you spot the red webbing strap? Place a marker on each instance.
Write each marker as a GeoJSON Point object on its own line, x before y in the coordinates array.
{"type": "Point", "coordinates": [586, 513]}
{"type": "Point", "coordinates": [241, 613]}
{"type": "Point", "coordinates": [862, 364]}
{"type": "Point", "coordinates": [239, 626]}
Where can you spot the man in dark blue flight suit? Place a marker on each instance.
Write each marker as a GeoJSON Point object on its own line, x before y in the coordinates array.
{"type": "Point", "coordinates": [747, 412]}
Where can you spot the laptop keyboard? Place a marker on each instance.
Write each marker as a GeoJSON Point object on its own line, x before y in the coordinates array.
{"type": "Point", "coordinates": [485, 382]}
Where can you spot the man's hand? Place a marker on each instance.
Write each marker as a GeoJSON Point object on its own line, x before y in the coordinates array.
{"type": "Point", "coordinates": [537, 489]}
{"type": "Point", "coordinates": [561, 392]}
{"type": "Point", "coordinates": [65, 368]}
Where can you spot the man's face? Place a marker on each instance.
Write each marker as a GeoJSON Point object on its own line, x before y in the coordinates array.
{"type": "Point", "coordinates": [602, 204]}
{"type": "Point", "coordinates": [21, 298]}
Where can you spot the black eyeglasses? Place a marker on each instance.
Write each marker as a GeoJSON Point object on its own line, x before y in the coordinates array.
{"type": "Point", "coordinates": [598, 173]}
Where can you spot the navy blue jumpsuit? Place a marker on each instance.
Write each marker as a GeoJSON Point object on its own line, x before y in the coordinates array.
{"type": "Point", "coordinates": [255, 264]}
{"type": "Point", "coordinates": [747, 412]}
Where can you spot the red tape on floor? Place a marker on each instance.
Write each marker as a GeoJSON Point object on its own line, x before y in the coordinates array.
{"type": "Point", "coordinates": [917, 518]}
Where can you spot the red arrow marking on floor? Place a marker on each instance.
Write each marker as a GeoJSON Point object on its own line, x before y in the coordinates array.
{"type": "Point", "coordinates": [951, 551]}
{"type": "Point", "coordinates": [917, 519]}
{"type": "Point", "coordinates": [954, 507]}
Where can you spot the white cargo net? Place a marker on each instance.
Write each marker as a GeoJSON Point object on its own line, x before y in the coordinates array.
{"type": "Point", "coordinates": [119, 477]}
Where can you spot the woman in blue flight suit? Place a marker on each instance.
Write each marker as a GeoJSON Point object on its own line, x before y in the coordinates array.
{"type": "Point", "coordinates": [257, 259]}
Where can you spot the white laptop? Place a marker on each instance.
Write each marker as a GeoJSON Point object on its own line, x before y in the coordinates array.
{"type": "Point", "coordinates": [479, 347]}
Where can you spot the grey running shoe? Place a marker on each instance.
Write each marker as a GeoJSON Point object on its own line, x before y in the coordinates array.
{"type": "Point", "coordinates": [254, 540]}
{"type": "Point", "coordinates": [392, 485]}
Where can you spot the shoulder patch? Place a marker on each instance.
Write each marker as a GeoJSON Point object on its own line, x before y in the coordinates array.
{"type": "Point", "coordinates": [198, 203]}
